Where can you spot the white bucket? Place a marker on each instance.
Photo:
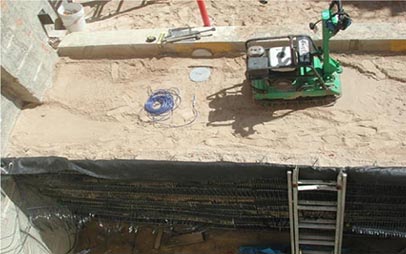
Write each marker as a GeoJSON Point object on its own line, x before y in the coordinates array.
{"type": "Point", "coordinates": [73, 16]}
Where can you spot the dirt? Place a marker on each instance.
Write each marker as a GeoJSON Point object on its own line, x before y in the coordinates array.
{"type": "Point", "coordinates": [95, 110]}
{"type": "Point", "coordinates": [95, 107]}
{"type": "Point", "coordinates": [165, 13]}
{"type": "Point", "coordinates": [103, 238]}
{"type": "Point", "coordinates": [117, 238]}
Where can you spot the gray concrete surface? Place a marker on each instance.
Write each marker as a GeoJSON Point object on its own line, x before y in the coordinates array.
{"type": "Point", "coordinates": [9, 114]}
{"type": "Point", "coordinates": [17, 226]}
{"type": "Point", "coordinates": [27, 61]}
{"type": "Point", "coordinates": [380, 37]}
{"type": "Point", "coordinates": [18, 232]}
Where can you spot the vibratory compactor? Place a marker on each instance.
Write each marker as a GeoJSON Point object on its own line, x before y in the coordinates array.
{"type": "Point", "coordinates": [296, 68]}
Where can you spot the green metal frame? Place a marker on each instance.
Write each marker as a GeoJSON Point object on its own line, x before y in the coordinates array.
{"type": "Point", "coordinates": [321, 79]}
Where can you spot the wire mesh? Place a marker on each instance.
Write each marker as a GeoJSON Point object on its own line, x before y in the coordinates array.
{"type": "Point", "coordinates": [258, 203]}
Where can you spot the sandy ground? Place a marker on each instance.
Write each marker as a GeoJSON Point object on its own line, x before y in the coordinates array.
{"type": "Point", "coordinates": [142, 242]}
{"type": "Point", "coordinates": [94, 111]}
{"type": "Point", "coordinates": [115, 238]}
{"type": "Point", "coordinates": [166, 13]}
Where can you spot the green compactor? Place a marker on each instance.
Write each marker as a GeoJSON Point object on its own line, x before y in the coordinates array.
{"type": "Point", "coordinates": [297, 68]}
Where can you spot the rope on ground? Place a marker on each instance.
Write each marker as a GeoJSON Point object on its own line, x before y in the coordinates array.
{"type": "Point", "coordinates": [160, 105]}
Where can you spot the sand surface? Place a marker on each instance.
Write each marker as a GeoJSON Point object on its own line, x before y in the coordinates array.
{"type": "Point", "coordinates": [116, 238]}
{"type": "Point", "coordinates": [94, 111]}
{"type": "Point", "coordinates": [166, 13]}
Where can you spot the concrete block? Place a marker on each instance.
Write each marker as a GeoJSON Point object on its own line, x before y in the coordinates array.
{"type": "Point", "coordinates": [225, 40]}
{"type": "Point", "coordinates": [27, 62]}
{"type": "Point", "coordinates": [26, 44]}
{"type": "Point", "coordinates": [14, 91]}
{"type": "Point", "coordinates": [14, 55]}
{"type": "Point", "coordinates": [9, 114]}
{"type": "Point", "coordinates": [15, 221]}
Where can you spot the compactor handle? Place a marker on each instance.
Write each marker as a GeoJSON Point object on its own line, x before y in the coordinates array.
{"type": "Point", "coordinates": [337, 3]}
{"type": "Point", "coordinates": [344, 20]}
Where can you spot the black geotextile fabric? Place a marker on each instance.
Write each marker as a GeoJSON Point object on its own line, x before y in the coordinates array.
{"type": "Point", "coordinates": [214, 194]}
{"type": "Point", "coordinates": [191, 171]}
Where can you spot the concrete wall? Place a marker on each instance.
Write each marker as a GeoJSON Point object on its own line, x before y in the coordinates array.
{"type": "Point", "coordinates": [27, 61]}
{"type": "Point", "coordinates": [20, 235]}
{"type": "Point", "coordinates": [360, 37]}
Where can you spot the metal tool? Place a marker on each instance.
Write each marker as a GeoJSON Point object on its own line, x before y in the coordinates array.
{"type": "Point", "coordinates": [311, 223]}
{"type": "Point", "coordinates": [197, 35]}
{"type": "Point", "coordinates": [173, 32]}
{"type": "Point", "coordinates": [160, 39]}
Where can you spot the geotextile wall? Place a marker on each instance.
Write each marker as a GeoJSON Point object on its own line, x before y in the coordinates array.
{"type": "Point", "coordinates": [210, 194]}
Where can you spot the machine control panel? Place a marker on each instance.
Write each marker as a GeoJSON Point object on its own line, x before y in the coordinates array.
{"type": "Point", "coordinates": [303, 48]}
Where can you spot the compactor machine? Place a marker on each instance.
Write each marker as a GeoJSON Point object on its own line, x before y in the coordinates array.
{"type": "Point", "coordinates": [296, 68]}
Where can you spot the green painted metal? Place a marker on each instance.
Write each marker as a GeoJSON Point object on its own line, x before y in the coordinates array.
{"type": "Point", "coordinates": [330, 66]}
{"type": "Point", "coordinates": [306, 83]}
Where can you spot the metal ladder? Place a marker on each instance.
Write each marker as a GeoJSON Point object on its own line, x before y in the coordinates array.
{"type": "Point", "coordinates": [321, 235]}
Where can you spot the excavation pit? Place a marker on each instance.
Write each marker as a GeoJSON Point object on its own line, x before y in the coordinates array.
{"type": "Point", "coordinates": [218, 163]}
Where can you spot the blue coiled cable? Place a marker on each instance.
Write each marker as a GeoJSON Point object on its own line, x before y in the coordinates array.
{"type": "Point", "coordinates": [160, 102]}
{"type": "Point", "coordinates": [160, 105]}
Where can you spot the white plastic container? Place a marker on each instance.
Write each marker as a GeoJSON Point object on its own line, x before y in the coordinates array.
{"type": "Point", "coordinates": [73, 16]}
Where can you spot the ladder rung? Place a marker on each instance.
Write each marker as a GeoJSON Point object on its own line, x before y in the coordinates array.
{"type": "Point", "coordinates": [317, 226]}
{"type": "Point", "coordinates": [318, 221]}
{"type": "Point", "coordinates": [316, 252]}
{"type": "Point", "coordinates": [321, 234]}
{"type": "Point", "coordinates": [317, 202]}
{"type": "Point", "coordinates": [317, 208]}
{"type": "Point", "coordinates": [316, 242]}
{"type": "Point", "coordinates": [312, 182]}
{"type": "Point", "coordinates": [317, 237]}
{"type": "Point", "coordinates": [319, 187]}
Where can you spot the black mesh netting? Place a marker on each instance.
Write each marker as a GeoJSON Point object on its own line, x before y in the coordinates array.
{"type": "Point", "coordinates": [226, 195]}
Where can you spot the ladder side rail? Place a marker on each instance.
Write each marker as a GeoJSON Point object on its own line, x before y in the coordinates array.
{"type": "Point", "coordinates": [291, 222]}
{"type": "Point", "coordinates": [295, 208]}
{"type": "Point", "coordinates": [339, 212]}
{"type": "Point", "coordinates": [342, 209]}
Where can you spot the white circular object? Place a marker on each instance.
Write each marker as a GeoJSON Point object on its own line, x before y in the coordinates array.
{"type": "Point", "coordinates": [201, 53]}
{"type": "Point", "coordinates": [73, 16]}
{"type": "Point", "coordinates": [200, 74]}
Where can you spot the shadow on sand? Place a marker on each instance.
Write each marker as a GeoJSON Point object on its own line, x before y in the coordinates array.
{"type": "Point", "coordinates": [235, 107]}
{"type": "Point", "coordinates": [396, 8]}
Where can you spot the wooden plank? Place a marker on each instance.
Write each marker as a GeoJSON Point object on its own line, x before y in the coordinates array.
{"type": "Point", "coordinates": [158, 239]}
{"type": "Point", "coordinates": [185, 239]}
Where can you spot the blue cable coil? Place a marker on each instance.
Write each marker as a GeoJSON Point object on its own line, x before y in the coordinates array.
{"type": "Point", "coordinates": [160, 102]}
